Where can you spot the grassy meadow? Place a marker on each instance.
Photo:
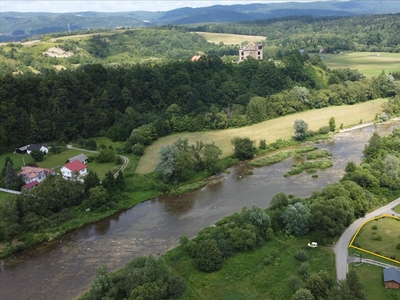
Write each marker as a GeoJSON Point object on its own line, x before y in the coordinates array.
{"type": "Point", "coordinates": [372, 279]}
{"type": "Point", "coordinates": [260, 274]}
{"type": "Point", "coordinates": [270, 130]}
{"type": "Point", "coordinates": [367, 63]}
{"type": "Point", "coordinates": [397, 209]}
{"type": "Point", "coordinates": [231, 39]}
{"type": "Point", "coordinates": [4, 196]}
{"type": "Point", "coordinates": [380, 236]}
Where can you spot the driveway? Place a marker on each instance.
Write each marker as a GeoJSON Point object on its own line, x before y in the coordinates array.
{"type": "Point", "coordinates": [342, 245]}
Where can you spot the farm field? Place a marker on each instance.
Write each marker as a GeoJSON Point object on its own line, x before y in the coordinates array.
{"type": "Point", "coordinates": [270, 130]}
{"type": "Point", "coordinates": [380, 236]}
{"type": "Point", "coordinates": [230, 39]}
{"type": "Point", "coordinates": [367, 63]}
{"type": "Point", "coordinates": [261, 274]}
{"type": "Point", "coordinates": [372, 279]}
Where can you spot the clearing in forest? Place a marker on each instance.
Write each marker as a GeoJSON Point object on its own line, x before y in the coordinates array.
{"type": "Point", "coordinates": [231, 39]}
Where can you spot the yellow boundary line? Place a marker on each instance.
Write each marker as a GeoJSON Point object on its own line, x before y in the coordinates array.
{"type": "Point", "coordinates": [369, 252]}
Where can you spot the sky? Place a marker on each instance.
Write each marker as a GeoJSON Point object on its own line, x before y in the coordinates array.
{"type": "Point", "coordinates": [118, 6]}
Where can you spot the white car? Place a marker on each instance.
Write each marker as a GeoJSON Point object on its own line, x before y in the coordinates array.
{"type": "Point", "coordinates": [313, 245]}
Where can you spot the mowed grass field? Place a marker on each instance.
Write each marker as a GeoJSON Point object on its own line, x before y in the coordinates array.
{"type": "Point", "coordinates": [397, 209]}
{"type": "Point", "coordinates": [367, 63]}
{"type": "Point", "coordinates": [372, 279]}
{"type": "Point", "coordinates": [271, 130]}
{"type": "Point", "coordinates": [380, 236]}
{"type": "Point", "coordinates": [231, 39]}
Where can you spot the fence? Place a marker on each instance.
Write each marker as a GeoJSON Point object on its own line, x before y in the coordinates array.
{"type": "Point", "coordinates": [10, 191]}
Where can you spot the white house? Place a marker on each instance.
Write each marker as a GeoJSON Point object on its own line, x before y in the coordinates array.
{"type": "Point", "coordinates": [30, 174]}
{"type": "Point", "coordinates": [71, 169]}
{"type": "Point", "coordinates": [37, 147]}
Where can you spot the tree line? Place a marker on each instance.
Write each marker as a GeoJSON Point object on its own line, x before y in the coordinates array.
{"type": "Point", "coordinates": [140, 103]}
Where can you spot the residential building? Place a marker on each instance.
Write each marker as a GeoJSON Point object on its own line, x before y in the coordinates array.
{"type": "Point", "coordinates": [73, 169]}
{"type": "Point", "coordinates": [30, 174]}
{"type": "Point", "coordinates": [253, 50]}
{"type": "Point", "coordinates": [391, 278]}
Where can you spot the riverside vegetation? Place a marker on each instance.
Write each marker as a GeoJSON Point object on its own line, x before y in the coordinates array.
{"type": "Point", "coordinates": [136, 105]}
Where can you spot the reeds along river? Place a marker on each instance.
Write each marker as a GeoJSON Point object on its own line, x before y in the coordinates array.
{"type": "Point", "coordinates": [64, 268]}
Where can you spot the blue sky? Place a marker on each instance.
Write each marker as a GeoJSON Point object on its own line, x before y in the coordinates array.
{"type": "Point", "coordinates": [116, 6]}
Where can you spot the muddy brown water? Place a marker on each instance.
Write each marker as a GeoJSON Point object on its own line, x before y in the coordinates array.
{"type": "Point", "coordinates": [64, 268]}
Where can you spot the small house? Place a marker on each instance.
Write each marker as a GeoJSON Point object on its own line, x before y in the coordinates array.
{"type": "Point", "coordinates": [391, 278]}
{"type": "Point", "coordinates": [73, 169]}
{"type": "Point", "coordinates": [39, 147]}
{"type": "Point", "coordinates": [81, 157]}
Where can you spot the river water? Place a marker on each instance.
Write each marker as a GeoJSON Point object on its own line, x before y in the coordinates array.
{"type": "Point", "coordinates": [64, 268]}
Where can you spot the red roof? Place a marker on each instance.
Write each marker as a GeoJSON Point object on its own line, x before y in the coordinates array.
{"type": "Point", "coordinates": [31, 184]}
{"type": "Point", "coordinates": [76, 165]}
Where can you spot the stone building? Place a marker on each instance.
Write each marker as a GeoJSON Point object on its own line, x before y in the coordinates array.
{"type": "Point", "coordinates": [251, 49]}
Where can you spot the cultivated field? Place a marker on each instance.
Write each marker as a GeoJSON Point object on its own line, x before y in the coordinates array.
{"type": "Point", "coordinates": [231, 39]}
{"type": "Point", "coordinates": [367, 63]}
{"type": "Point", "coordinates": [380, 236]}
{"type": "Point", "coordinates": [271, 130]}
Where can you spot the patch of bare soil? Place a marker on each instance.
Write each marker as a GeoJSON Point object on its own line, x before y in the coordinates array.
{"type": "Point", "coordinates": [57, 52]}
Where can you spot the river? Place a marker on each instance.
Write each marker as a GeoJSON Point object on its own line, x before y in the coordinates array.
{"type": "Point", "coordinates": [64, 268]}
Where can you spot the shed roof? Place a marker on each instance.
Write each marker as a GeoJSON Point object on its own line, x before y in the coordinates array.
{"type": "Point", "coordinates": [31, 184]}
{"type": "Point", "coordinates": [81, 157]}
{"type": "Point", "coordinates": [391, 274]}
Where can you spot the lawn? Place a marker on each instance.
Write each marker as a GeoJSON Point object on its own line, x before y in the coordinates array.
{"type": "Point", "coordinates": [380, 236]}
{"type": "Point", "coordinates": [397, 209]}
{"type": "Point", "coordinates": [230, 39]}
{"type": "Point", "coordinates": [372, 279]}
{"type": "Point", "coordinates": [261, 274]}
{"type": "Point", "coordinates": [19, 160]}
{"type": "Point", "coordinates": [367, 63]}
{"type": "Point", "coordinates": [4, 196]}
{"type": "Point", "coordinates": [270, 130]}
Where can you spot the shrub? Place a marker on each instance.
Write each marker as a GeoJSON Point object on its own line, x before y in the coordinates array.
{"type": "Point", "coordinates": [376, 238]}
{"type": "Point", "coordinates": [374, 227]}
{"type": "Point", "coordinates": [324, 130]}
{"type": "Point", "coordinates": [301, 255]}
{"type": "Point", "coordinates": [398, 246]}
{"type": "Point", "coordinates": [263, 145]}
{"type": "Point", "coordinates": [295, 282]}
{"type": "Point", "coordinates": [303, 270]}
{"type": "Point", "coordinates": [138, 149]}
{"type": "Point", "coordinates": [209, 257]}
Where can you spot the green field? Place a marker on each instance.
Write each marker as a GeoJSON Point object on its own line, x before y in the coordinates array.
{"type": "Point", "coordinates": [55, 161]}
{"type": "Point", "coordinates": [367, 63]}
{"type": "Point", "coordinates": [4, 196]}
{"type": "Point", "coordinates": [397, 209]}
{"type": "Point", "coordinates": [260, 274]}
{"type": "Point", "coordinates": [372, 279]}
{"type": "Point", "coordinates": [271, 130]}
{"type": "Point", "coordinates": [380, 236]}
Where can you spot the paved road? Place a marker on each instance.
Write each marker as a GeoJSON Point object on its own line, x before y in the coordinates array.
{"type": "Point", "coordinates": [344, 241]}
{"type": "Point", "coordinates": [126, 160]}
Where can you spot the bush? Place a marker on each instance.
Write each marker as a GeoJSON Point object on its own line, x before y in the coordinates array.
{"type": "Point", "coordinates": [263, 145]}
{"type": "Point", "coordinates": [301, 255]}
{"type": "Point", "coordinates": [209, 256]}
{"type": "Point", "coordinates": [324, 130]}
{"type": "Point", "coordinates": [303, 270]}
{"type": "Point", "coordinates": [90, 144]}
{"type": "Point", "coordinates": [374, 227]}
{"type": "Point", "coordinates": [398, 246]}
{"type": "Point", "coordinates": [138, 149]}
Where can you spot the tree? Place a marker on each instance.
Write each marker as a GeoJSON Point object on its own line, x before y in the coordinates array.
{"type": "Point", "coordinates": [256, 110]}
{"type": "Point", "coordinates": [166, 162]}
{"type": "Point", "coordinates": [300, 129]}
{"type": "Point", "coordinates": [303, 294]}
{"type": "Point", "coordinates": [101, 284]}
{"type": "Point", "coordinates": [332, 124]}
{"type": "Point", "coordinates": [109, 182]}
{"type": "Point", "coordinates": [317, 287]}
{"type": "Point", "coordinates": [211, 161]}
{"type": "Point", "coordinates": [98, 197]}
{"type": "Point", "coordinates": [91, 180]}
{"type": "Point", "coordinates": [243, 148]}
{"type": "Point", "coordinates": [10, 177]}
{"type": "Point", "coordinates": [209, 256]}
{"type": "Point", "coordinates": [106, 156]}
{"type": "Point", "coordinates": [37, 155]}
{"type": "Point", "coordinates": [263, 145]}
{"type": "Point", "coordinates": [371, 150]}
{"type": "Point", "coordinates": [296, 219]}
{"type": "Point", "coordinates": [351, 287]}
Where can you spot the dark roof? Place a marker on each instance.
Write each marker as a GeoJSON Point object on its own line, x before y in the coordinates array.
{"type": "Point", "coordinates": [34, 147]}
{"type": "Point", "coordinates": [391, 274]}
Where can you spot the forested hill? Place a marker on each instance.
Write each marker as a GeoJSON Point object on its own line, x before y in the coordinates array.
{"type": "Point", "coordinates": [356, 33]}
{"type": "Point", "coordinates": [18, 26]}
{"type": "Point", "coordinates": [140, 103]}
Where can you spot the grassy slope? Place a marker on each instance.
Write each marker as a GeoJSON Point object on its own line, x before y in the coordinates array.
{"type": "Point", "coordinates": [372, 279]}
{"type": "Point", "coordinates": [230, 39]}
{"type": "Point", "coordinates": [367, 63]}
{"type": "Point", "coordinates": [388, 229]}
{"type": "Point", "coordinates": [271, 130]}
{"type": "Point", "coordinates": [247, 276]}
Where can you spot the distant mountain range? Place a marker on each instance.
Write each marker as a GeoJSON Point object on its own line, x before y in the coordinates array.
{"type": "Point", "coordinates": [19, 26]}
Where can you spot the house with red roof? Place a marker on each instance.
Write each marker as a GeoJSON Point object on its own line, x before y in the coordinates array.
{"type": "Point", "coordinates": [31, 174]}
{"type": "Point", "coordinates": [73, 169]}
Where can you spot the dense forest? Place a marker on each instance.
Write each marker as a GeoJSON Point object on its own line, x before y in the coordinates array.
{"type": "Point", "coordinates": [173, 97]}
{"type": "Point", "coordinates": [356, 33]}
